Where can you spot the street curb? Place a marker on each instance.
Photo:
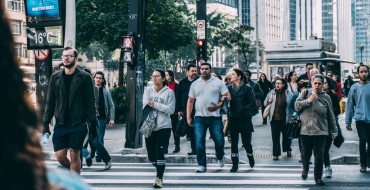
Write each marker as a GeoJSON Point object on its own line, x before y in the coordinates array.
{"type": "Point", "coordinates": [211, 158]}
{"type": "Point", "coordinates": [346, 160]}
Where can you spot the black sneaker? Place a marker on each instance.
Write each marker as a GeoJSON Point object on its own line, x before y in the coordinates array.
{"type": "Point", "coordinates": [192, 153]}
{"type": "Point", "coordinates": [363, 169]}
{"type": "Point", "coordinates": [88, 161]}
{"type": "Point", "coordinates": [319, 182]}
{"type": "Point", "coordinates": [251, 160]}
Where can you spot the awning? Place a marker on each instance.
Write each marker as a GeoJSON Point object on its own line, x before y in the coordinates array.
{"type": "Point", "coordinates": [302, 56]}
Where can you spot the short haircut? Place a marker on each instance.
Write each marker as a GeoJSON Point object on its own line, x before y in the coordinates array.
{"type": "Point", "coordinates": [358, 68]}
{"type": "Point", "coordinates": [302, 85]}
{"type": "Point", "coordinates": [307, 64]}
{"type": "Point", "coordinates": [205, 63]}
{"type": "Point", "coordinates": [248, 71]}
{"type": "Point", "coordinates": [320, 76]}
{"type": "Point", "coordinates": [314, 70]}
{"type": "Point", "coordinates": [75, 53]}
{"type": "Point", "coordinates": [190, 66]}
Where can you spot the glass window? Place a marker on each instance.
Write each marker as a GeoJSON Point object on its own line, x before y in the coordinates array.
{"type": "Point", "coordinates": [14, 5]}
{"type": "Point", "coordinates": [25, 54]}
{"type": "Point", "coordinates": [16, 27]}
{"type": "Point", "coordinates": [18, 50]}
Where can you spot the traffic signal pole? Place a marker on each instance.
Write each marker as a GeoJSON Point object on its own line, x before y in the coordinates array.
{"type": "Point", "coordinates": [135, 71]}
{"type": "Point", "coordinates": [201, 43]}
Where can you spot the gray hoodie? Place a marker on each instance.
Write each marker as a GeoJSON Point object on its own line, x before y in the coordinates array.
{"type": "Point", "coordinates": [164, 103]}
{"type": "Point", "coordinates": [317, 117]}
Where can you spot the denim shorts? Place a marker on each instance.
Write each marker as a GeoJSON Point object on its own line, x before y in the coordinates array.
{"type": "Point", "coordinates": [69, 136]}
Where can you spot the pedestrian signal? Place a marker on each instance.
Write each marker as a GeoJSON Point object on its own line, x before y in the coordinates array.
{"type": "Point", "coordinates": [127, 42]}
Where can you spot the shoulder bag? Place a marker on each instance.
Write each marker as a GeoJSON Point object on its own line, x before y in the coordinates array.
{"type": "Point", "coordinates": [148, 124]}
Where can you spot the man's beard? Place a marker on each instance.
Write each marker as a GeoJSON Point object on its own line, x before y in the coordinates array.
{"type": "Point", "coordinates": [73, 63]}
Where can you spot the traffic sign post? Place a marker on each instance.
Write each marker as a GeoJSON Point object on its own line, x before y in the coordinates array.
{"type": "Point", "coordinates": [43, 68]}
{"type": "Point", "coordinates": [201, 23]}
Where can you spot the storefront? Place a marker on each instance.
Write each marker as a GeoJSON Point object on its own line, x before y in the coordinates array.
{"type": "Point", "coordinates": [283, 57]}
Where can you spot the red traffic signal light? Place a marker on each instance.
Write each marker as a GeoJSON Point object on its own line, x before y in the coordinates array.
{"type": "Point", "coordinates": [199, 43]}
{"type": "Point", "coordinates": [127, 42]}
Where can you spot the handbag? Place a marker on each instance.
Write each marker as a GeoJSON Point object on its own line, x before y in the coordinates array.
{"type": "Point", "coordinates": [149, 122]}
{"type": "Point", "coordinates": [339, 140]}
{"type": "Point", "coordinates": [258, 102]}
{"type": "Point", "coordinates": [294, 128]}
{"type": "Point", "coordinates": [181, 128]}
{"type": "Point", "coordinates": [266, 113]}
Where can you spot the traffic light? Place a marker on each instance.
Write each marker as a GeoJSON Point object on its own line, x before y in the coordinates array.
{"type": "Point", "coordinates": [127, 51]}
{"type": "Point", "coordinates": [201, 49]}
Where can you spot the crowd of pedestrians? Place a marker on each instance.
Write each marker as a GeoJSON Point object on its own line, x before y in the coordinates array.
{"type": "Point", "coordinates": [82, 107]}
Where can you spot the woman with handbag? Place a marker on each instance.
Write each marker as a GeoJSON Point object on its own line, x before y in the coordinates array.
{"type": "Point", "coordinates": [329, 88]}
{"type": "Point", "coordinates": [242, 109]}
{"type": "Point", "coordinates": [278, 100]}
{"type": "Point", "coordinates": [162, 99]}
{"type": "Point", "coordinates": [317, 119]}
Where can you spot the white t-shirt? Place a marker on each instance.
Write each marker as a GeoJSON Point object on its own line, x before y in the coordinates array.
{"type": "Point", "coordinates": [205, 93]}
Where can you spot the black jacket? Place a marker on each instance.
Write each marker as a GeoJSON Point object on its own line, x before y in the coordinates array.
{"type": "Point", "coordinates": [256, 88]}
{"type": "Point", "coordinates": [81, 98]}
{"type": "Point", "coordinates": [266, 87]}
{"type": "Point", "coordinates": [182, 93]}
{"type": "Point", "coordinates": [243, 102]}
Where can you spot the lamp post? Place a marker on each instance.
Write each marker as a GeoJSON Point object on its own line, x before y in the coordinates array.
{"type": "Point", "coordinates": [362, 47]}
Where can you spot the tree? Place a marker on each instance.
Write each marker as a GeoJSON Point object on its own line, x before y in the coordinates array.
{"type": "Point", "coordinates": [239, 39]}
{"type": "Point", "coordinates": [168, 27]}
{"type": "Point", "coordinates": [217, 24]}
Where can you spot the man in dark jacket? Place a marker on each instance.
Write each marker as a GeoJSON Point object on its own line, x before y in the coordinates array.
{"type": "Point", "coordinates": [182, 93]}
{"type": "Point", "coordinates": [71, 100]}
{"type": "Point", "coordinates": [306, 77]}
{"type": "Point", "coordinates": [255, 86]}
{"type": "Point", "coordinates": [348, 84]}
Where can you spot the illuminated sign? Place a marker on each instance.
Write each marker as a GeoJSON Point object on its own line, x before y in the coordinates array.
{"type": "Point", "coordinates": [42, 10]}
{"type": "Point", "coordinates": [45, 37]}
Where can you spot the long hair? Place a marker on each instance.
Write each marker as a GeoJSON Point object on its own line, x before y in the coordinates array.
{"type": "Point", "coordinates": [163, 75]}
{"type": "Point", "coordinates": [240, 73]}
{"type": "Point", "coordinates": [21, 163]}
{"type": "Point", "coordinates": [102, 75]}
{"type": "Point", "coordinates": [260, 79]}
{"type": "Point", "coordinates": [284, 83]}
{"type": "Point", "coordinates": [172, 75]}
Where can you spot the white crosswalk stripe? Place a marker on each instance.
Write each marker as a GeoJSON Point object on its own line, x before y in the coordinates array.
{"type": "Point", "coordinates": [183, 176]}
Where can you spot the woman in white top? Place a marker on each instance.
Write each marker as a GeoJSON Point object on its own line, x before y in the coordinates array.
{"type": "Point", "coordinates": [292, 82]}
{"type": "Point", "coordinates": [162, 99]}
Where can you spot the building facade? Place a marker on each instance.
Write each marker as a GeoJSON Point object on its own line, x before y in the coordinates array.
{"type": "Point", "coordinates": [16, 13]}
{"type": "Point", "coordinates": [361, 22]}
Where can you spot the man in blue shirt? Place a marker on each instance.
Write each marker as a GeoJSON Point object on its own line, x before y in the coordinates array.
{"type": "Point", "coordinates": [358, 108]}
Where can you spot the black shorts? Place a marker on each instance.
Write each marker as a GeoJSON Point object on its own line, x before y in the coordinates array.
{"type": "Point", "coordinates": [68, 136]}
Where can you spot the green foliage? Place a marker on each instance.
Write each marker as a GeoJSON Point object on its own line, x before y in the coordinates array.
{"type": "Point", "coordinates": [168, 27]}
{"type": "Point", "coordinates": [120, 103]}
{"type": "Point", "coordinates": [101, 21]}
{"type": "Point", "coordinates": [217, 24]}
{"type": "Point", "coordinates": [239, 38]}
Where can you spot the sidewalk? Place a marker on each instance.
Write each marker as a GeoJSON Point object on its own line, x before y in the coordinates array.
{"type": "Point", "coordinates": [261, 141]}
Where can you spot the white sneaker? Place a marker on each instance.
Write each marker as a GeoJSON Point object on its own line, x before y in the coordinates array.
{"type": "Point", "coordinates": [201, 169]}
{"type": "Point", "coordinates": [221, 162]}
{"type": "Point", "coordinates": [328, 171]}
{"type": "Point", "coordinates": [108, 165]}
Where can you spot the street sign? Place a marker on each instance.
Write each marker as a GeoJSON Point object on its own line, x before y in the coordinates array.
{"type": "Point", "coordinates": [41, 55]}
{"type": "Point", "coordinates": [201, 29]}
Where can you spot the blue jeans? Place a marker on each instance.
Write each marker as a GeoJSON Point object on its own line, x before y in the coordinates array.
{"type": "Point", "coordinates": [215, 128]}
{"type": "Point", "coordinates": [102, 123]}
{"type": "Point", "coordinates": [363, 130]}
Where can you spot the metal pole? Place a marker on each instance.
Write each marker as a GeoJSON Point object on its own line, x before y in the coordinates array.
{"type": "Point", "coordinates": [135, 74]}
{"type": "Point", "coordinates": [70, 24]}
{"type": "Point", "coordinates": [257, 43]}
